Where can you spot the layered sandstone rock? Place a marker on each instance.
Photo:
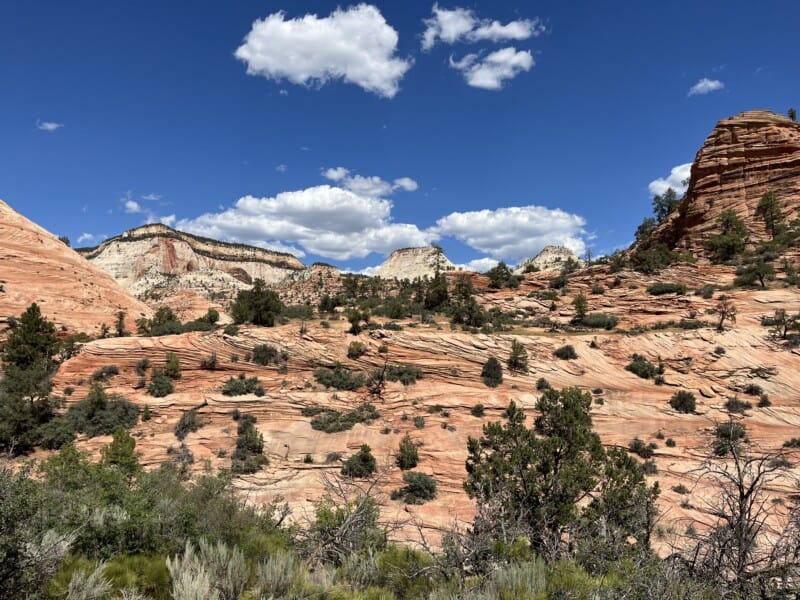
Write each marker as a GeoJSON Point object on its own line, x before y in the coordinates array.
{"type": "Point", "coordinates": [549, 258]}
{"type": "Point", "coordinates": [744, 157]}
{"type": "Point", "coordinates": [410, 263]}
{"type": "Point", "coordinates": [156, 262]}
{"type": "Point", "coordinates": [35, 266]}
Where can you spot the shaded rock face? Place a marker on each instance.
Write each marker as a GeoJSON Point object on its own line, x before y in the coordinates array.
{"type": "Point", "coordinates": [35, 266]}
{"type": "Point", "coordinates": [156, 262]}
{"type": "Point", "coordinates": [410, 263]}
{"type": "Point", "coordinates": [744, 157]}
{"type": "Point", "coordinates": [550, 257]}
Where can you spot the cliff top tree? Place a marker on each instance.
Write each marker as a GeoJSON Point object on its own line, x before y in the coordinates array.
{"type": "Point", "coordinates": [664, 204]}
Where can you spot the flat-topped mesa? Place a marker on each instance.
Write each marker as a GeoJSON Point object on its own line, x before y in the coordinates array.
{"type": "Point", "coordinates": [744, 157]}
{"type": "Point", "coordinates": [157, 262]}
{"type": "Point", "coordinates": [410, 263]}
{"type": "Point", "coordinates": [35, 266]}
{"type": "Point", "coordinates": [549, 258]}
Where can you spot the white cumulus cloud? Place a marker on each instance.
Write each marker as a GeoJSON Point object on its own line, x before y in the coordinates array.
{"type": "Point", "coordinates": [355, 45]}
{"type": "Point", "coordinates": [674, 180]}
{"type": "Point", "coordinates": [479, 265]}
{"type": "Point", "coordinates": [516, 232]}
{"type": "Point", "coordinates": [48, 125]}
{"type": "Point", "coordinates": [85, 237]}
{"type": "Point", "coordinates": [462, 24]}
{"type": "Point", "coordinates": [330, 221]}
{"type": "Point", "coordinates": [371, 186]}
{"type": "Point", "coordinates": [705, 86]}
{"type": "Point", "coordinates": [490, 72]}
{"type": "Point", "coordinates": [132, 207]}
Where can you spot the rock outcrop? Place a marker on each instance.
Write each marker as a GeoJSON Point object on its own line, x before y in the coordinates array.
{"type": "Point", "coordinates": [549, 258]}
{"type": "Point", "coordinates": [35, 266]}
{"type": "Point", "coordinates": [410, 263]}
{"type": "Point", "coordinates": [156, 262]}
{"type": "Point", "coordinates": [745, 156]}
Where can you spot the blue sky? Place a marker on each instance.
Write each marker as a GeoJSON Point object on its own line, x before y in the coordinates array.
{"type": "Point", "coordinates": [491, 128]}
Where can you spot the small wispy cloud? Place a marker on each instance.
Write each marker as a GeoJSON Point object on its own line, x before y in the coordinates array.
{"type": "Point", "coordinates": [132, 207]}
{"type": "Point", "coordinates": [282, 168]}
{"type": "Point", "coordinates": [152, 197]}
{"type": "Point", "coordinates": [705, 86]}
{"type": "Point", "coordinates": [48, 125]}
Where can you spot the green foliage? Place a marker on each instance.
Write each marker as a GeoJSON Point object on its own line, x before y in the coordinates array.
{"type": "Point", "coordinates": [267, 354]}
{"type": "Point", "coordinates": [683, 401]}
{"type": "Point", "coordinates": [542, 384]}
{"type": "Point", "coordinates": [641, 367]}
{"type": "Point", "coordinates": [756, 270]}
{"type": "Point", "coordinates": [407, 454]}
{"type": "Point", "coordinates": [566, 352]}
{"type": "Point", "coordinates": [479, 410]}
{"type": "Point", "coordinates": [339, 378]}
{"type": "Point", "coordinates": [418, 488]}
{"type": "Point", "coordinates": [231, 329]}
{"type": "Point", "coordinates": [209, 362]}
{"type": "Point", "coordinates": [599, 320]}
{"type": "Point", "coordinates": [239, 386]}
{"type": "Point", "coordinates": [248, 457]}
{"type": "Point", "coordinates": [160, 385]}
{"type": "Point", "coordinates": [518, 358]}
{"type": "Point", "coordinates": [792, 114]}
{"type": "Point", "coordinates": [536, 476]}
{"type": "Point", "coordinates": [660, 288]}
{"type": "Point", "coordinates": [419, 422]}
{"type": "Point", "coordinates": [121, 453]}
{"type": "Point", "coordinates": [651, 257]}
{"type": "Point", "coordinates": [436, 295]}
{"type": "Point", "coordinates": [303, 312]}
{"type": "Point", "coordinates": [501, 276]}
{"type": "Point", "coordinates": [356, 350]}
{"type": "Point", "coordinates": [731, 240]}
{"type": "Point", "coordinates": [257, 305]}
{"type": "Point", "coordinates": [104, 373]}
{"type": "Point", "coordinates": [100, 414]}
{"type": "Point", "coordinates": [492, 372]}
{"type": "Point", "coordinates": [405, 374]}
{"type": "Point", "coordinates": [164, 322]}
{"type": "Point", "coordinates": [641, 449]}
{"type": "Point", "coordinates": [734, 405]}
{"type": "Point", "coordinates": [189, 422]}
{"type": "Point", "coordinates": [581, 306]}
{"type": "Point", "coordinates": [770, 211]}
{"type": "Point", "coordinates": [333, 421]}
{"type": "Point", "coordinates": [361, 464]}
{"type": "Point", "coordinates": [728, 436]}
{"type": "Point", "coordinates": [141, 366]}
{"type": "Point", "coordinates": [665, 204]}
{"type": "Point", "coordinates": [172, 369]}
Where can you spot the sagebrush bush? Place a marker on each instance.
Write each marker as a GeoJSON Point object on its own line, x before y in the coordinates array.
{"type": "Point", "coordinates": [566, 352]}
{"type": "Point", "coordinates": [189, 422]}
{"type": "Point", "coordinates": [418, 488]}
{"type": "Point", "coordinates": [492, 372]}
{"type": "Point", "coordinates": [339, 378]}
{"type": "Point", "coordinates": [683, 401]}
{"type": "Point", "coordinates": [659, 288]}
{"type": "Point", "coordinates": [407, 455]}
{"type": "Point", "coordinates": [361, 464]}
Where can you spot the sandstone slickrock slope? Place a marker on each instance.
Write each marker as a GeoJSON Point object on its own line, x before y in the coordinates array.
{"type": "Point", "coordinates": [35, 266]}
{"type": "Point", "coordinates": [550, 257]}
{"type": "Point", "coordinates": [156, 262]}
{"type": "Point", "coordinates": [410, 263]}
{"type": "Point", "coordinates": [745, 156]}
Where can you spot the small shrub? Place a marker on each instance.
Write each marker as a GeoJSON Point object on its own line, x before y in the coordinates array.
{"type": "Point", "coordinates": [492, 372]}
{"type": "Point", "coordinates": [231, 329]}
{"type": "Point", "coordinates": [173, 367]}
{"type": "Point", "coordinates": [361, 464]}
{"type": "Point", "coordinates": [792, 443]}
{"type": "Point", "coordinates": [418, 488]}
{"type": "Point", "coordinates": [405, 374]}
{"type": "Point", "coordinates": [649, 467]}
{"type": "Point", "coordinates": [339, 378]}
{"type": "Point", "coordinates": [599, 320]}
{"type": "Point", "coordinates": [764, 401]}
{"type": "Point", "coordinates": [160, 384]}
{"type": "Point", "coordinates": [99, 414]}
{"type": "Point", "coordinates": [661, 288]}
{"type": "Point", "coordinates": [407, 455]}
{"type": "Point", "coordinates": [683, 401]}
{"type": "Point", "coordinates": [637, 446]}
{"type": "Point", "coordinates": [146, 416]}
{"type": "Point", "coordinates": [240, 385]}
{"type": "Point", "coordinates": [707, 291]}
{"type": "Point", "coordinates": [104, 373]}
{"type": "Point", "coordinates": [478, 410]}
{"type": "Point", "coordinates": [308, 459]}
{"type": "Point", "coordinates": [332, 421]}
{"type": "Point", "coordinates": [719, 350]}
{"type": "Point", "coordinates": [641, 367]}
{"type": "Point", "coordinates": [188, 423]}
{"type": "Point", "coordinates": [598, 290]}
{"type": "Point", "coordinates": [356, 350]}
{"type": "Point", "coordinates": [670, 443]}
{"type": "Point", "coordinates": [542, 384]}
{"type": "Point", "coordinates": [209, 362]}
{"type": "Point", "coordinates": [419, 422]}
{"type": "Point", "coordinates": [383, 349]}
{"type": "Point", "coordinates": [753, 389]}
{"type": "Point", "coordinates": [680, 489]}
{"type": "Point", "coordinates": [248, 457]}
{"type": "Point", "coordinates": [728, 434]}
{"type": "Point", "coordinates": [734, 405]}
{"type": "Point", "coordinates": [267, 354]}
{"type": "Point", "coordinates": [565, 353]}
